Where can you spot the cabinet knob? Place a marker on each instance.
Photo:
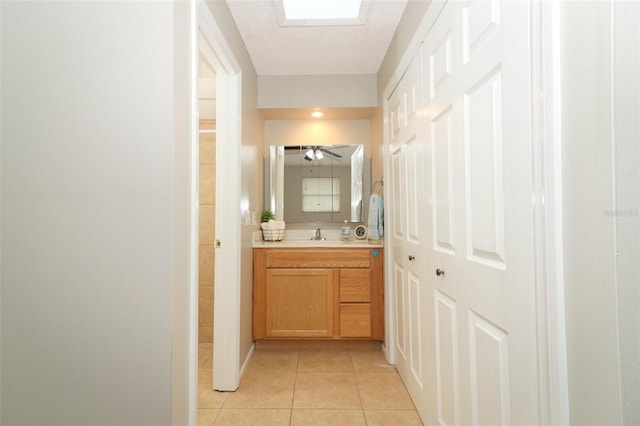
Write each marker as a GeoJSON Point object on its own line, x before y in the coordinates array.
{"type": "Point", "coordinates": [411, 258]}
{"type": "Point", "coordinates": [440, 272]}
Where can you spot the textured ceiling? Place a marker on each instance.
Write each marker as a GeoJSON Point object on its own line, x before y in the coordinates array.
{"type": "Point", "coordinates": [317, 50]}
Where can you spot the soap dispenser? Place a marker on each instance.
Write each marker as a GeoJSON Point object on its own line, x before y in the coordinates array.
{"type": "Point", "coordinates": [345, 231]}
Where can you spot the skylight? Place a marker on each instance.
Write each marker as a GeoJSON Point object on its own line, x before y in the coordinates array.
{"type": "Point", "coordinates": [321, 12]}
{"type": "Point", "coordinates": [321, 9]}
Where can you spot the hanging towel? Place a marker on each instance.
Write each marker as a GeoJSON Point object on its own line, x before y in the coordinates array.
{"type": "Point", "coordinates": [376, 217]}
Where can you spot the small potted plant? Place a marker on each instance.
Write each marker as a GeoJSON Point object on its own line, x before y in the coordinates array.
{"type": "Point", "coordinates": [268, 215]}
{"type": "Point", "coordinates": [272, 229]}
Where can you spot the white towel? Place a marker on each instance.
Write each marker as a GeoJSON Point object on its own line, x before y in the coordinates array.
{"type": "Point", "coordinates": [375, 222]}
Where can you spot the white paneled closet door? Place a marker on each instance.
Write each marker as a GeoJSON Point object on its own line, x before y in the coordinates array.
{"type": "Point", "coordinates": [478, 321]}
{"type": "Point", "coordinates": [408, 232]}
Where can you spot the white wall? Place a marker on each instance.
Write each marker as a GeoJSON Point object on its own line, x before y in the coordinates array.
{"type": "Point", "coordinates": [307, 91]}
{"type": "Point", "coordinates": [600, 81]}
{"type": "Point", "coordinates": [183, 350]}
{"type": "Point", "coordinates": [626, 106]}
{"type": "Point", "coordinates": [87, 175]}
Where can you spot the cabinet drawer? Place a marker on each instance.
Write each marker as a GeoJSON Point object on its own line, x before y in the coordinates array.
{"type": "Point", "coordinates": [317, 258]}
{"type": "Point", "coordinates": [355, 320]}
{"type": "Point", "coordinates": [355, 285]}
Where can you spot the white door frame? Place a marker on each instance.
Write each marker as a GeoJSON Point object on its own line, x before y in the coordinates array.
{"type": "Point", "coordinates": [197, 30]}
{"type": "Point", "coordinates": [547, 192]}
{"type": "Point", "coordinates": [198, 33]}
{"type": "Point", "coordinates": [226, 324]}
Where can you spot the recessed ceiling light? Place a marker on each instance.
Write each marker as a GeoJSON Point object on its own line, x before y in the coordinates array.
{"type": "Point", "coordinates": [317, 114]}
{"type": "Point", "coordinates": [321, 9]}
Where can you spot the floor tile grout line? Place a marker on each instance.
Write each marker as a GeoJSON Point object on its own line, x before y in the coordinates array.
{"type": "Point", "coordinates": [355, 378]}
{"type": "Point", "coordinates": [295, 383]}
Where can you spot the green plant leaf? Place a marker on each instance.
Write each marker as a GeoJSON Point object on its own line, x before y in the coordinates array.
{"type": "Point", "coordinates": [268, 215]}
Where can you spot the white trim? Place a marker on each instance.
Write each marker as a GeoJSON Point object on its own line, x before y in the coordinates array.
{"type": "Point", "coordinates": [194, 220]}
{"type": "Point", "coordinates": [184, 352]}
{"type": "Point", "coordinates": [0, 205]}
{"type": "Point", "coordinates": [547, 190]}
{"type": "Point", "coordinates": [226, 343]}
{"type": "Point", "coordinates": [247, 360]}
{"type": "Point", "coordinates": [223, 57]}
{"type": "Point", "coordinates": [390, 295]}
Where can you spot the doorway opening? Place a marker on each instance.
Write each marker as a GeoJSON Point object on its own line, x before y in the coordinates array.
{"type": "Point", "coordinates": [206, 218]}
{"type": "Point", "coordinates": [215, 309]}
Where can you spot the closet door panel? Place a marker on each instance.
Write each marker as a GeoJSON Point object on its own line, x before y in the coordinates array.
{"type": "Point", "coordinates": [407, 156]}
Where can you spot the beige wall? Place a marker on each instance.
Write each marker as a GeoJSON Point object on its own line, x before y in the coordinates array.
{"type": "Point", "coordinates": [376, 142]}
{"type": "Point", "coordinates": [317, 132]}
{"type": "Point", "coordinates": [308, 91]}
{"type": "Point", "coordinates": [207, 203]}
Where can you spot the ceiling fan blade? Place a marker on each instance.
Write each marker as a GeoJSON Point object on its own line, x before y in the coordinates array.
{"type": "Point", "coordinates": [330, 153]}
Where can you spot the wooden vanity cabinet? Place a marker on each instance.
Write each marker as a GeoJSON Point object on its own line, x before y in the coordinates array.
{"type": "Point", "coordinates": [318, 293]}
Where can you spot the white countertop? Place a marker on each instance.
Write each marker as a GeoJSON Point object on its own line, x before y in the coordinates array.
{"type": "Point", "coordinates": [302, 238]}
{"type": "Point", "coordinates": [314, 243]}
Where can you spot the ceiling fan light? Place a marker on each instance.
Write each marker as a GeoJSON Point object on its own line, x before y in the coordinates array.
{"type": "Point", "coordinates": [319, 155]}
{"type": "Point", "coordinates": [310, 155]}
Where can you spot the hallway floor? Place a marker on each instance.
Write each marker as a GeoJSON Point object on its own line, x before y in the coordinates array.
{"type": "Point", "coordinates": [308, 387]}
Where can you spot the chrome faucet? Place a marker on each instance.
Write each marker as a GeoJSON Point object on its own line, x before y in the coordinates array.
{"type": "Point", "coordinates": [318, 236]}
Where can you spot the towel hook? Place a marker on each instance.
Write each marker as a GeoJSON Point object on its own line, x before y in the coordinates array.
{"type": "Point", "coordinates": [378, 185]}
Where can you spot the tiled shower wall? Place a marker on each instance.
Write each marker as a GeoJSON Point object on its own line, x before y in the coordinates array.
{"type": "Point", "coordinates": [207, 200]}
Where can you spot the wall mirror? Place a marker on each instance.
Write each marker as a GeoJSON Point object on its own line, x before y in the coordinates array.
{"type": "Point", "coordinates": [317, 183]}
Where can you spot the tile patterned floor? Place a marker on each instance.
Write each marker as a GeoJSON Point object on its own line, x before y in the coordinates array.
{"type": "Point", "coordinates": [308, 387]}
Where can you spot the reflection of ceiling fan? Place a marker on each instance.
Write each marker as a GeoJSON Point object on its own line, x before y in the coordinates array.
{"type": "Point", "coordinates": [314, 152]}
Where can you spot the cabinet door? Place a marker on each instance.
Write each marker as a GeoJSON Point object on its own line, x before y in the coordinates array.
{"type": "Point", "coordinates": [299, 302]}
